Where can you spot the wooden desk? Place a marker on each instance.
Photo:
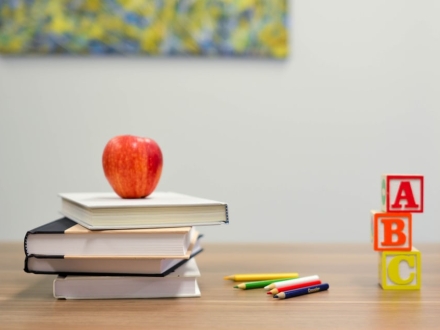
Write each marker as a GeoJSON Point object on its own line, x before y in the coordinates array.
{"type": "Point", "coordinates": [354, 300]}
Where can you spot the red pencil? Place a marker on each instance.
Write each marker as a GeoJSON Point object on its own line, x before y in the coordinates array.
{"type": "Point", "coordinates": [293, 287]}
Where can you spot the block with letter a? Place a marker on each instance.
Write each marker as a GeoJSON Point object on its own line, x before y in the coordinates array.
{"type": "Point", "coordinates": [391, 231]}
{"type": "Point", "coordinates": [402, 193]}
{"type": "Point", "coordinates": [400, 270]}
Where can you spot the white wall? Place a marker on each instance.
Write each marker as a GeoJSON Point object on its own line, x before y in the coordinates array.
{"type": "Point", "coordinates": [296, 148]}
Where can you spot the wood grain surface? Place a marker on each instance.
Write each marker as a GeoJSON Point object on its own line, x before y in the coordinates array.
{"type": "Point", "coordinates": [354, 300]}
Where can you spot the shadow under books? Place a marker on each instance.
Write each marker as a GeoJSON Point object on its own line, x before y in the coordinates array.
{"type": "Point", "coordinates": [38, 290]}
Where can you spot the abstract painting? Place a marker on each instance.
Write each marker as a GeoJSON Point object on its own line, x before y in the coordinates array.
{"type": "Point", "coordinates": [243, 28]}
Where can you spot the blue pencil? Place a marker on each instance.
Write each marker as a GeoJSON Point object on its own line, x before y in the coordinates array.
{"type": "Point", "coordinates": [302, 291]}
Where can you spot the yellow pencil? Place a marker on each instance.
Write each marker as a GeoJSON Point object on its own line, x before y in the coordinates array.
{"type": "Point", "coordinates": [260, 277]}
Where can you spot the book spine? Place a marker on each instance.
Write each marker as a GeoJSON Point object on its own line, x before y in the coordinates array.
{"type": "Point", "coordinates": [26, 263]}
{"type": "Point", "coordinates": [25, 268]}
{"type": "Point", "coordinates": [25, 244]}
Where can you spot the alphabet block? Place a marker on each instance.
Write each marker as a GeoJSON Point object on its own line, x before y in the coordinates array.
{"type": "Point", "coordinates": [400, 270]}
{"type": "Point", "coordinates": [391, 231]}
{"type": "Point", "coordinates": [402, 193]}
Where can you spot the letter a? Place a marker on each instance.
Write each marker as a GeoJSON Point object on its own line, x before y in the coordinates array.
{"type": "Point", "coordinates": [405, 192]}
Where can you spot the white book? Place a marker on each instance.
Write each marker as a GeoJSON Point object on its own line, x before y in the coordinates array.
{"type": "Point", "coordinates": [181, 283]}
{"type": "Point", "coordinates": [97, 211]}
{"type": "Point", "coordinates": [64, 237]}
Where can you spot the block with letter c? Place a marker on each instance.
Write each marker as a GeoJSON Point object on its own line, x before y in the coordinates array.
{"type": "Point", "coordinates": [400, 270]}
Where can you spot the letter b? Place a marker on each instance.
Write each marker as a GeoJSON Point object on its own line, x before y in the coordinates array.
{"type": "Point", "coordinates": [392, 231]}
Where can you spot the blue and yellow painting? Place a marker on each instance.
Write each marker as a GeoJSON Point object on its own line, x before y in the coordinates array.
{"type": "Point", "coordinates": [145, 27]}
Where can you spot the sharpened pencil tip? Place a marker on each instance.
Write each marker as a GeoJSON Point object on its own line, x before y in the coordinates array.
{"type": "Point", "coordinates": [227, 277]}
{"type": "Point", "coordinates": [275, 296]}
{"type": "Point", "coordinates": [236, 286]}
{"type": "Point", "coordinates": [268, 292]}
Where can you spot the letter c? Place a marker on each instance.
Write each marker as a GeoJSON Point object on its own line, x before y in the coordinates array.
{"type": "Point", "coordinates": [393, 269]}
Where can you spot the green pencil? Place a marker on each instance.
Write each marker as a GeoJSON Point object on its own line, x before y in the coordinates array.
{"type": "Point", "coordinates": [260, 284]}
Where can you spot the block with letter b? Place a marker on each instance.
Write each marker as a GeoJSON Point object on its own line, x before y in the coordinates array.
{"type": "Point", "coordinates": [391, 231]}
{"type": "Point", "coordinates": [402, 193]}
{"type": "Point", "coordinates": [400, 270]}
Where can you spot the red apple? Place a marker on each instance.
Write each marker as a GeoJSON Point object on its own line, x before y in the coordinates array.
{"type": "Point", "coordinates": [132, 165]}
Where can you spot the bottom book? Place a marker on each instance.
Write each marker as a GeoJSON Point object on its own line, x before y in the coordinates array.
{"type": "Point", "coordinates": [181, 283]}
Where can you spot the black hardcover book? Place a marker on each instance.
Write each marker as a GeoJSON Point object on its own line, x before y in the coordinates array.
{"type": "Point", "coordinates": [65, 247]}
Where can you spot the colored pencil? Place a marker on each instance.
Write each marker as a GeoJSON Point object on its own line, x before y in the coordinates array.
{"type": "Point", "coordinates": [277, 285]}
{"type": "Point", "coordinates": [259, 284]}
{"type": "Point", "coordinates": [293, 287]}
{"type": "Point", "coordinates": [302, 291]}
{"type": "Point", "coordinates": [260, 277]}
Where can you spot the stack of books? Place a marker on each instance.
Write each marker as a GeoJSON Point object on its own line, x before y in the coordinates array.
{"type": "Point", "coordinates": [106, 247]}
